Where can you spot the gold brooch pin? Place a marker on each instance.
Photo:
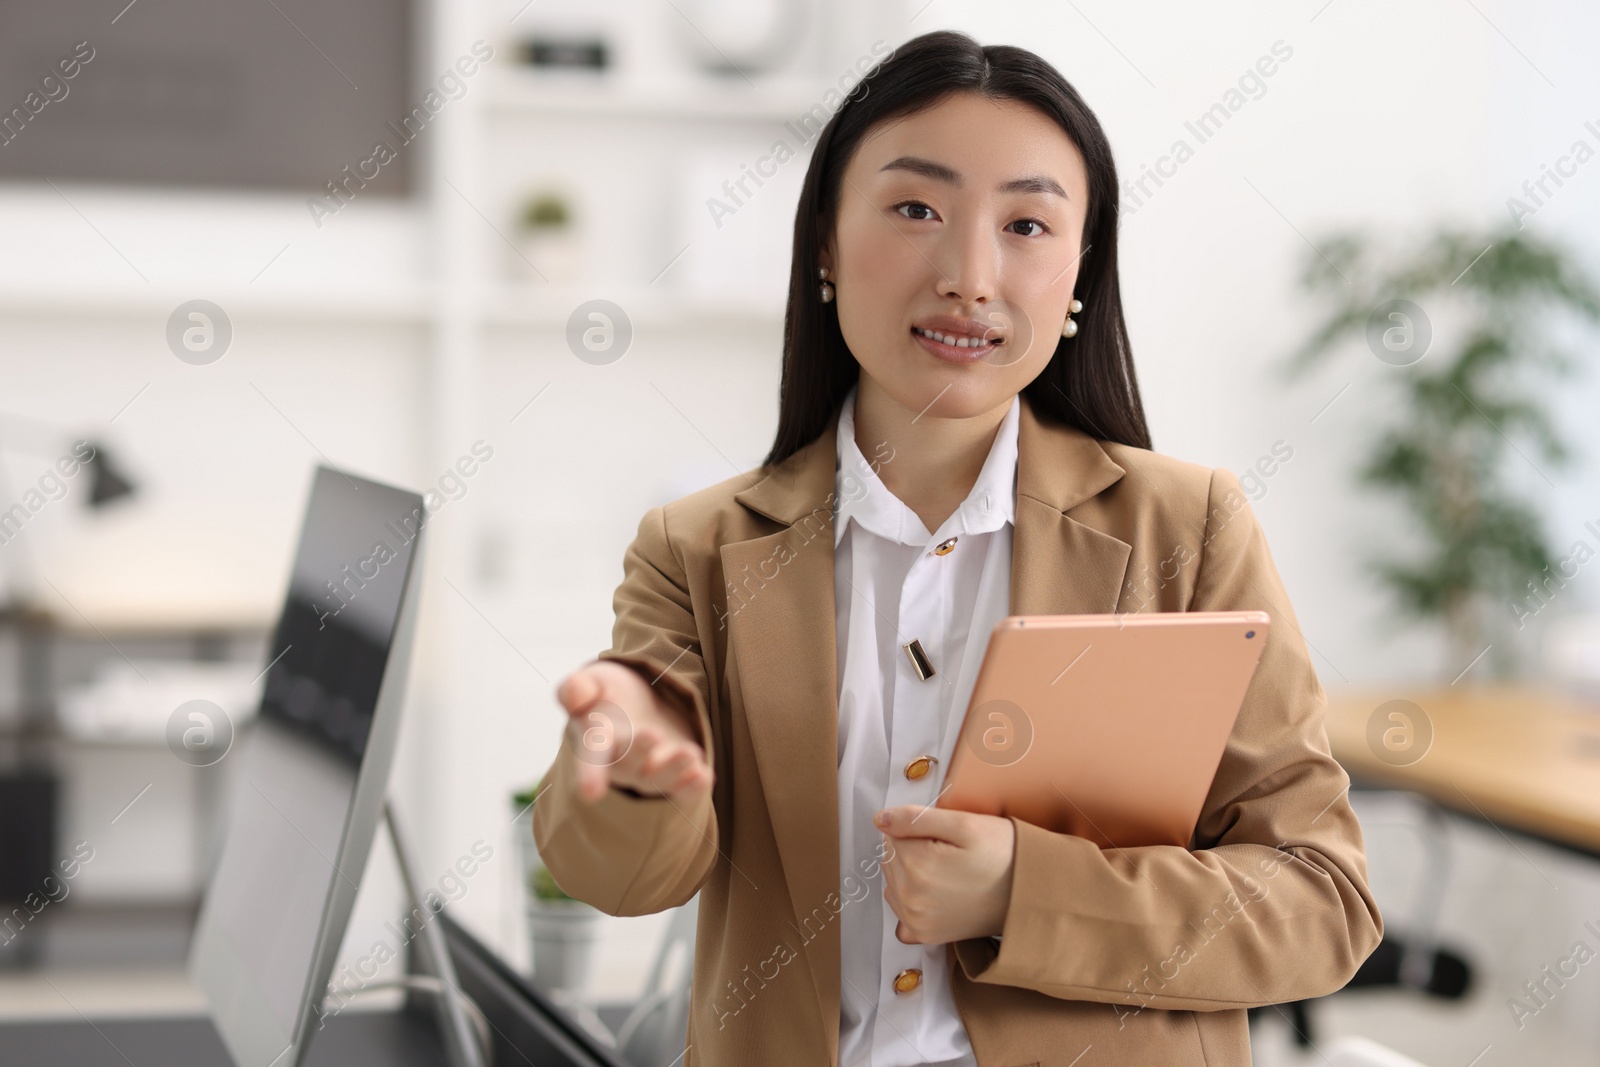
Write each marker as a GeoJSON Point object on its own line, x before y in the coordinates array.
{"type": "Point", "coordinates": [919, 660]}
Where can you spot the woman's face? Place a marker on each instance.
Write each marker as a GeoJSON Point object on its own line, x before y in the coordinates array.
{"type": "Point", "coordinates": [964, 219]}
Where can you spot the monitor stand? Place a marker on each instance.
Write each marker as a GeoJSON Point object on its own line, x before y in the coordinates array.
{"type": "Point", "coordinates": [434, 972]}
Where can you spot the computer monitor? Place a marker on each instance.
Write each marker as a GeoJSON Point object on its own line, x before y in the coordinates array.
{"type": "Point", "coordinates": [311, 790]}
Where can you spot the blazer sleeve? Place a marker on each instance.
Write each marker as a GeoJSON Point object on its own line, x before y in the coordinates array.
{"type": "Point", "coordinates": [626, 853]}
{"type": "Point", "coordinates": [1269, 905]}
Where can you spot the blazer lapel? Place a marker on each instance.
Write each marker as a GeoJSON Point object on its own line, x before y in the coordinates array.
{"type": "Point", "coordinates": [1059, 566]}
{"type": "Point", "coordinates": [782, 644]}
{"type": "Point", "coordinates": [781, 659]}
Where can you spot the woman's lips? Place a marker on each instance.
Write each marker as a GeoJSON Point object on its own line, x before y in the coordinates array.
{"type": "Point", "coordinates": [954, 353]}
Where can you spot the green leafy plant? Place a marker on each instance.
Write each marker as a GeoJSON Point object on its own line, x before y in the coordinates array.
{"type": "Point", "coordinates": [544, 885]}
{"type": "Point", "coordinates": [540, 882]}
{"type": "Point", "coordinates": [1450, 449]}
{"type": "Point", "coordinates": [546, 211]}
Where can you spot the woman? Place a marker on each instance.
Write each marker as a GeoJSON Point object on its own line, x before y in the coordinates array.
{"type": "Point", "coordinates": [955, 361]}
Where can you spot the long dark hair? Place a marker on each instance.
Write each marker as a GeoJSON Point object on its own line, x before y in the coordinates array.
{"type": "Point", "coordinates": [1089, 382]}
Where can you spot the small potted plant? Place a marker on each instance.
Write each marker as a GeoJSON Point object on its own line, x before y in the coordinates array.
{"type": "Point", "coordinates": [564, 931]}
{"type": "Point", "coordinates": [547, 243]}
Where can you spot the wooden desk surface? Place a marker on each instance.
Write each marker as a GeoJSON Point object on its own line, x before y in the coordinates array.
{"type": "Point", "coordinates": [1523, 758]}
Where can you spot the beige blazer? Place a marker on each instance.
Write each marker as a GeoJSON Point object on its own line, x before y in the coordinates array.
{"type": "Point", "coordinates": [1140, 955]}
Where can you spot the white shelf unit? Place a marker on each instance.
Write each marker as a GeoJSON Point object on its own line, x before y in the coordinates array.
{"type": "Point", "coordinates": [687, 98]}
{"type": "Point", "coordinates": [640, 155]}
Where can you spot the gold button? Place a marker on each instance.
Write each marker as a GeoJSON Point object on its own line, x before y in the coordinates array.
{"type": "Point", "coordinates": [944, 547]}
{"type": "Point", "coordinates": [907, 980]}
{"type": "Point", "coordinates": [920, 766]}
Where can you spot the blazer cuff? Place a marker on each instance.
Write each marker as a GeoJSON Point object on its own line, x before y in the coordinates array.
{"type": "Point", "coordinates": [625, 854]}
{"type": "Point", "coordinates": [1022, 954]}
{"type": "Point", "coordinates": [682, 697]}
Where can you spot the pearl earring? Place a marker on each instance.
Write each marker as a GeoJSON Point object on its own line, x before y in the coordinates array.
{"type": "Point", "coordinates": [1070, 328]}
{"type": "Point", "coordinates": [826, 290]}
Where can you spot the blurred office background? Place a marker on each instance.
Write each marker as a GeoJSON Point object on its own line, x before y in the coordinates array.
{"type": "Point", "coordinates": [417, 321]}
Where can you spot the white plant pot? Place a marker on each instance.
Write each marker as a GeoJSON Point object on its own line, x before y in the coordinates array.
{"type": "Point", "coordinates": [548, 255]}
{"type": "Point", "coordinates": [565, 935]}
{"type": "Point", "coordinates": [527, 848]}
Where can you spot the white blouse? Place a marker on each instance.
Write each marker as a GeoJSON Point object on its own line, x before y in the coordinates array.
{"type": "Point", "coordinates": [892, 585]}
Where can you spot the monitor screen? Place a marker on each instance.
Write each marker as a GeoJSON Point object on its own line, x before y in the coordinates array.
{"type": "Point", "coordinates": [332, 640]}
{"type": "Point", "coordinates": [310, 791]}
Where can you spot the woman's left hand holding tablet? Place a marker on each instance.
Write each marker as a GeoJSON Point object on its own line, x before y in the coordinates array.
{"type": "Point", "coordinates": [947, 874]}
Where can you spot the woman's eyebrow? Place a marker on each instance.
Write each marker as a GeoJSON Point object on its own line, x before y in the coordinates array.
{"type": "Point", "coordinates": [940, 172]}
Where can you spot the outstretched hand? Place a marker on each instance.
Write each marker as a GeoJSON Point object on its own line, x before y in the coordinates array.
{"type": "Point", "coordinates": [625, 734]}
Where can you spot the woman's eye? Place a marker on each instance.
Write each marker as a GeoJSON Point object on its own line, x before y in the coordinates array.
{"type": "Point", "coordinates": [913, 205]}
{"type": "Point", "coordinates": [1040, 227]}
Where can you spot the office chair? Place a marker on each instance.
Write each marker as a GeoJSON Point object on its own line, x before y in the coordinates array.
{"type": "Point", "coordinates": [1412, 959]}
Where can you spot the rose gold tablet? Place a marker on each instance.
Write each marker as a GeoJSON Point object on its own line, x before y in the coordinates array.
{"type": "Point", "coordinates": [1108, 727]}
